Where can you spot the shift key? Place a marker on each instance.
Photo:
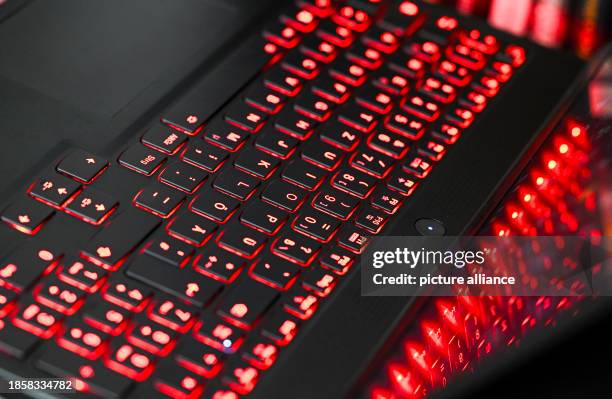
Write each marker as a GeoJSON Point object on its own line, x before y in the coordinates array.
{"type": "Point", "coordinates": [110, 246]}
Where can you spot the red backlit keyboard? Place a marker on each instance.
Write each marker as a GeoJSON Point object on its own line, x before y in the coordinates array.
{"type": "Point", "coordinates": [244, 222]}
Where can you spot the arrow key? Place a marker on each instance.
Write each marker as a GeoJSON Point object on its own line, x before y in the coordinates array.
{"type": "Point", "coordinates": [54, 190]}
{"type": "Point", "coordinates": [82, 166]}
{"type": "Point", "coordinates": [27, 216]}
{"type": "Point", "coordinates": [91, 206]}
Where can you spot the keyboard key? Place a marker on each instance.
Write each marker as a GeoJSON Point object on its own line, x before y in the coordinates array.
{"type": "Point", "coordinates": [364, 56]}
{"type": "Point", "coordinates": [183, 176]}
{"type": "Point", "coordinates": [405, 125]}
{"type": "Point", "coordinates": [303, 174]}
{"type": "Point", "coordinates": [214, 205]}
{"type": "Point", "coordinates": [59, 296]}
{"type": "Point", "coordinates": [424, 49]}
{"type": "Point", "coordinates": [241, 378]}
{"type": "Point", "coordinates": [16, 342]}
{"type": "Point", "coordinates": [352, 18]}
{"type": "Point", "coordinates": [281, 328]}
{"type": "Point", "coordinates": [407, 66]}
{"type": "Point", "coordinates": [95, 377]}
{"type": "Point", "coordinates": [241, 240]}
{"type": "Point", "coordinates": [422, 107]}
{"type": "Point", "coordinates": [260, 353]}
{"type": "Point", "coordinates": [337, 260]}
{"type": "Point", "coordinates": [105, 316]}
{"type": "Point", "coordinates": [347, 72]}
{"type": "Point", "coordinates": [432, 150]}
{"type": "Point", "coordinates": [177, 382]}
{"type": "Point", "coordinates": [300, 303]}
{"type": "Point", "coordinates": [54, 190]}
{"type": "Point", "coordinates": [313, 106]}
{"type": "Point", "coordinates": [339, 135]}
{"type": "Point", "coordinates": [300, 19]}
{"type": "Point", "coordinates": [205, 156]}
{"type": "Point", "coordinates": [159, 199]}
{"type": "Point", "coordinates": [315, 224]}
{"type": "Point", "coordinates": [141, 159]}
{"type": "Point", "coordinates": [371, 220]}
{"type": "Point", "coordinates": [21, 268]}
{"type": "Point", "coordinates": [219, 264]}
{"type": "Point", "coordinates": [225, 136]}
{"type": "Point", "coordinates": [7, 301]}
{"type": "Point", "coordinates": [191, 228]}
{"type": "Point", "coordinates": [318, 49]}
{"type": "Point", "coordinates": [294, 124]}
{"type": "Point", "coordinates": [263, 217]}
{"type": "Point", "coordinates": [130, 361]}
{"type": "Point", "coordinates": [37, 319]}
{"type": "Point", "coordinates": [81, 274]}
{"type": "Point", "coordinates": [300, 65]}
{"type": "Point", "coordinates": [282, 81]}
{"type": "Point", "coordinates": [245, 117]}
{"type": "Point", "coordinates": [82, 166]}
{"type": "Point", "coordinates": [417, 166]}
{"type": "Point", "coordinates": [256, 163]}
{"type": "Point", "coordinates": [27, 216]}
{"type": "Point", "coordinates": [184, 284]}
{"type": "Point", "coordinates": [127, 293]}
{"type": "Point", "coordinates": [402, 182]}
{"type": "Point", "coordinates": [319, 282]}
{"type": "Point", "coordinates": [372, 163]}
{"type": "Point", "coordinates": [295, 248]}
{"type": "Point", "coordinates": [284, 195]}
{"type": "Point", "coordinates": [169, 249]}
{"type": "Point", "coordinates": [109, 247]}
{"type": "Point", "coordinates": [198, 358]}
{"type": "Point", "coordinates": [238, 184]}
{"type": "Point", "coordinates": [172, 314]}
{"type": "Point", "coordinates": [274, 272]}
{"type": "Point", "coordinates": [386, 200]}
{"type": "Point", "coordinates": [219, 335]}
{"type": "Point", "coordinates": [335, 203]}
{"type": "Point", "coordinates": [459, 116]}
{"type": "Point", "coordinates": [150, 336]}
{"type": "Point", "coordinates": [388, 143]}
{"type": "Point", "coordinates": [264, 98]}
{"type": "Point", "coordinates": [405, 21]}
{"type": "Point", "coordinates": [390, 81]}
{"type": "Point", "coordinates": [380, 39]}
{"type": "Point", "coordinates": [330, 89]}
{"type": "Point", "coordinates": [374, 99]}
{"type": "Point", "coordinates": [353, 239]}
{"type": "Point", "coordinates": [335, 34]}
{"type": "Point", "coordinates": [91, 206]}
{"type": "Point", "coordinates": [455, 74]}
{"type": "Point", "coordinates": [353, 182]}
{"type": "Point", "coordinates": [244, 304]}
{"type": "Point", "coordinates": [164, 139]}
{"type": "Point", "coordinates": [82, 339]}
{"type": "Point", "coordinates": [358, 118]}
{"type": "Point", "coordinates": [275, 143]}
{"type": "Point", "coordinates": [322, 155]}
{"type": "Point", "coordinates": [438, 90]}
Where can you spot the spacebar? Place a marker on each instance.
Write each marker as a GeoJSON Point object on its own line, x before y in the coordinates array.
{"type": "Point", "coordinates": [219, 86]}
{"type": "Point", "coordinates": [109, 247]}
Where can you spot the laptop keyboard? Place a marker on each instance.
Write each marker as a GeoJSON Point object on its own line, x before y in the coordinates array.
{"type": "Point", "coordinates": [251, 218]}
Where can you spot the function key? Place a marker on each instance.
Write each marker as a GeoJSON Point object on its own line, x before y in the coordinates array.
{"type": "Point", "coordinates": [183, 176]}
{"type": "Point", "coordinates": [225, 136]}
{"type": "Point", "coordinates": [205, 156]}
{"type": "Point", "coordinates": [264, 98]}
{"type": "Point", "coordinates": [214, 205]}
{"type": "Point", "coordinates": [141, 159]}
{"type": "Point", "coordinates": [417, 166]}
{"type": "Point", "coordinates": [162, 138]}
{"type": "Point", "coordinates": [91, 206]}
{"type": "Point", "coordinates": [238, 184]}
{"type": "Point", "coordinates": [158, 199]}
{"type": "Point", "coordinates": [82, 166]}
{"type": "Point", "coordinates": [386, 199]}
{"type": "Point", "coordinates": [284, 195]}
{"type": "Point", "coordinates": [371, 220]}
{"type": "Point", "coordinates": [27, 216]}
{"type": "Point", "coordinates": [54, 190]}
{"type": "Point", "coordinates": [245, 303]}
{"type": "Point", "coordinates": [191, 228]}
{"type": "Point", "coordinates": [353, 239]}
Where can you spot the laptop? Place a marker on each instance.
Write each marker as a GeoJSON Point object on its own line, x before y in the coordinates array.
{"type": "Point", "coordinates": [186, 187]}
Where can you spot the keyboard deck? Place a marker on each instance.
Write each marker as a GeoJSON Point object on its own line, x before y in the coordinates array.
{"type": "Point", "coordinates": [242, 224]}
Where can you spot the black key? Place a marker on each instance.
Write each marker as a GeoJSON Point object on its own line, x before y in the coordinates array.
{"type": "Point", "coordinates": [281, 328]}
{"type": "Point", "coordinates": [263, 217]}
{"type": "Point", "coordinates": [264, 98]}
{"type": "Point", "coordinates": [172, 314]}
{"type": "Point", "coordinates": [219, 335]}
{"type": "Point", "coordinates": [256, 163]}
{"type": "Point", "coordinates": [358, 118]}
{"type": "Point", "coordinates": [150, 336]}
{"type": "Point", "coordinates": [169, 249]}
{"type": "Point", "coordinates": [365, 56]}
{"type": "Point", "coordinates": [380, 39]}
{"type": "Point", "coordinates": [184, 284]}
{"type": "Point", "coordinates": [388, 143]}
{"type": "Point", "coordinates": [318, 49]}
{"type": "Point", "coordinates": [405, 125]}
{"type": "Point", "coordinates": [109, 247]}
{"type": "Point", "coordinates": [303, 174]}
{"type": "Point", "coordinates": [354, 182]}
{"type": "Point", "coordinates": [339, 135]}
{"type": "Point", "coordinates": [20, 269]}
{"type": "Point", "coordinates": [129, 360]}
{"type": "Point", "coordinates": [274, 272]}
{"type": "Point", "coordinates": [353, 239]}
{"type": "Point", "coordinates": [98, 379]}
{"type": "Point", "coordinates": [446, 133]}
{"type": "Point", "coordinates": [276, 143]}
{"type": "Point", "coordinates": [37, 319]}
{"type": "Point", "coordinates": [322, 155]}
{"type": "Point", "coordinates": [205, 156]}
{"type": "Point", "coordinates": [294, 124]}
{"type": "Point", "coordinates": [141, 159]}
{"type": "Point", "coordinates": [284, 195]}
{"type": "Point", "coordinates": [59, 296]}
{"type": "Point", "coordinates": [54, 190]}
{"type": "Point", "coordinates": [335, 34]}
{"type": "Point", "coordinates": [315, 224]}
{"type": "Point", "coordinates": [82, 339]}
{"type": "Point", "coordinates": [260, 352]}
{"type": "Point", "coordinates": [226, 136]}
{"type": "Point", "coordinates": [455, 74]}
{"type": "Point", "coordinates": [300, 303]}
{"type": "Point", "coordinates": [14, 341]}
{"type": "Point", "coordinates": [245, 117]}
{"type": "Point", "coordinates": [183, 176]}
{"type": "Point", "coordinates": [282, 81]}
{"type": "Point", "coordinates": [402, 182]}
{"type": "Point", "coordinates": [386, 199]}
{"type": "Point", "coordinates": [7, 300]}
{"type": "Point", "coordinates": [313, 106]}
{"type": "Point", "coordinates": [127, 293]}
{"type": "Point", "coordinates": [410, 67]}
{"type": "Point", "coordinates": [82, 166]}
{"type": "Point", "coordinates": [92, 206]}
{"type": "Point", "coordinates": [295, 247]}
{"type": "Point", "coordinates": [81, 274]}
{"type": "Point", "coordinates": [374, 99]}
{"type": "Point", "coordinates": [27, 216]}
{"type": "Point", "coordinates": [352, 17]}
{"type": "Point", "coordinates": [422, 107]}
{"type": "Point", "coordinates": [300, 64]}
{"type": "Point", "coordinates": [105, 316]}
{"type": "Point", "coordinates": [219, 264]}
{"type": "Point", "coordinates": [405, 21]}
{"type": "Point", "coordinates": [236, 183]}
{"type": "Point", "coordinates": [330, 89]}
{"type": "Point", "coordinates": [337, 260]}
{"type": "Point", "coordinates": [390, 81]}
{"type": "Point", "coordinates": [242, 240]}
{"type": "Point", "coordinates": [438, 90]}
{"type": "Point", "coordinates": [246, 303]}
{"type": "Point", "coordinates": [302, 20]}
{"type": "Point", "coordinates": [214, 205]}
{"type": "Point", "coordinates": [191, 228]}
{"type": "Point", "coordinates": [164, 139]}
{"type": "Point", "coordinates": [372, 220]}
{"type": "Point", "coordinates": [432, 150]}
{"type": "Point", "coordinates": [186, 122]}
{"type": "Point", "coordinates": [347, 72]}
{"type": "Point", "coordinates": [440, 30]}
{"type": "Point", "coordinates": [175, 381]}
{"type": "Point", "coordinates": [159, 199]}
{"type": "Point", "coordinates": [280, 34]}
{"type": "Point", "coordinates": [417, 165]}
{"type": "Point", "coordinates": [198, 358]}
{"type": "Point", "coordinates": [459, 116]}
{"type": "Point", "coordinates": [319, 281]}
{"type": "Point", "coordinates": [372, 163]}
{"type": "Point", "coordinates": [335, 203]}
